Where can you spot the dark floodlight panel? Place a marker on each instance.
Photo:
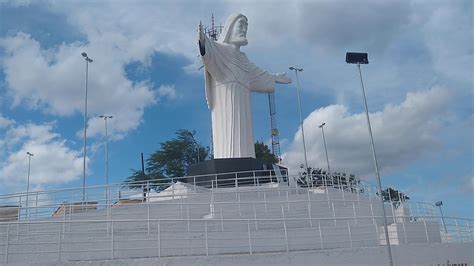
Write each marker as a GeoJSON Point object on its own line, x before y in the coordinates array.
{"type": "Point", "coordinates": [439, 203]}
{"type": "Point", "coordinates": [357, 58]}
{"type": "Point", "coordinates": [84, 54]}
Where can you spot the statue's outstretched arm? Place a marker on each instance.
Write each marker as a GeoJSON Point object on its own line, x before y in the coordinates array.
{"type": "Point", "coordinates": [202, 40]}
{"type": "Point", "coordinates": [282, 78]}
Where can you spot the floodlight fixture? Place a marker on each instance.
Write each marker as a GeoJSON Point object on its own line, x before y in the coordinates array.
{"type": "Point", "coordinates": [357, 58]}
{"type": "Point", "coordinates": [295, 68]}
{"type": "Point", "coordinates": [439, 203]}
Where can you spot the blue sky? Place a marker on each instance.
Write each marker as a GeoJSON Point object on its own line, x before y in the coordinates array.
{"type": "Point", "coordinates": [145, 72]}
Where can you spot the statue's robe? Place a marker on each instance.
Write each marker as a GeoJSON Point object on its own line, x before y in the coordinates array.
{"type": "Point", "coordinates": [230, 77]}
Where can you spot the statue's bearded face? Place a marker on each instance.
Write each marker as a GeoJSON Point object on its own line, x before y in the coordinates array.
{"type": "Point", "coordinates": [239, 32]}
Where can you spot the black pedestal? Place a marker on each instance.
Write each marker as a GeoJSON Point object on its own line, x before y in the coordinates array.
{"type": "Point", "coordinates": [233, 172]}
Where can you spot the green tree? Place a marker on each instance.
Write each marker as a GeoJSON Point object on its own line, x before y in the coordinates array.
{"type": "Point", "coordinates": [263, 153]}
{"type": "Point", "coordinates": [394, 196]}
{"type": "Point", "coordinates": [171, 160]}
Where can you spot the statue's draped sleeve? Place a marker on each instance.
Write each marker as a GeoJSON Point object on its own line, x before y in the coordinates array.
{"type": "Point", "coordinates": [213, 68]}
{"type": "Point", "coordinates": [261, 80]}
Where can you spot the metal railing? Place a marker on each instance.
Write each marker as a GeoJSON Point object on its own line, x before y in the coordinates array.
{"type": "Point", "coordinates": [44, 204]}
{"type": "Point", "coordinates": [257, 213]}
{"type": "Point", "coordinates": [116, 239]}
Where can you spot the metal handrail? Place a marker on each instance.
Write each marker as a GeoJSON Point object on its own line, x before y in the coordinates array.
{"type": "Point", "coordinates": [99, 196]}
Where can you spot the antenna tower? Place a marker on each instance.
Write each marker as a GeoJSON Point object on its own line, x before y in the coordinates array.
{"type": "Point", "coordinates": [273, 125]}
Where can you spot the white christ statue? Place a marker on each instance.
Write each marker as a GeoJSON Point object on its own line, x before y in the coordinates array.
{"type": "Point", "coordinates": [229, 79]}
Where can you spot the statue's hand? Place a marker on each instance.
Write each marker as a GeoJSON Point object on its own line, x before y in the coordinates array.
{"type": "Point", "coordinates": [282, 78]}
{"type": "Point", "coordinates": [202, 35]}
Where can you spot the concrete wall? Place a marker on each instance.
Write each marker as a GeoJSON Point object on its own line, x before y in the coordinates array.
{"type": "Point", "coordinates": [434, 254]}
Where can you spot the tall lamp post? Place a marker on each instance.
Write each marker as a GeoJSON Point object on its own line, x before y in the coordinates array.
{"type": "Point", "coordinates": [105, 117]}
{"type": "Point", "coordinates": [362, 58]}
{"type": "Point", "coordinates": [301, 117]}
{"type": "Point", "coordinates": [28, 184]}
{"type": "Point", "coordinates": [88, 60]}
{"type": "Point", "coordinates": [439, 204]}
{"type": "Point", "coordinates": [325, 148]}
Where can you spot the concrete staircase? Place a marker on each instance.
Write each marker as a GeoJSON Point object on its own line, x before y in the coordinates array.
{"type": "Point", "coordinates": [268, 218]}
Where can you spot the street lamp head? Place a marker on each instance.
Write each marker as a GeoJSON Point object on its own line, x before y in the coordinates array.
{"type": "Point", "coordinates": [356, 58]}
{"type": "Point", "coordinates": [323, 124]}
{"type": "Point", "coordinates": [295, 68]}
{"type": "Point", "coordinates": [439, 203]}
{"type": "Point", "coordinates": [105, 116]}
{"type": "Point", "coordinates": [29, 153]}
{"type": "Point", "coordinates": [84, 55]}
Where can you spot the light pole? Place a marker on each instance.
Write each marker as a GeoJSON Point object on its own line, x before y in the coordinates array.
{"type": "Point", "coordinates": [105, 117]}
{"type": "Point", "coordinates": [361, 58]}
{"type": "Point", "coordinates": [439, 204]}
{"type": "Point", "coordinates": [88, 60]}
{"type": "Point", "coordinates": [28, 185]}
{"type": "Point", "coordinates": [301, 118]}
{"type": "Point", "coordinates": [325, 148]}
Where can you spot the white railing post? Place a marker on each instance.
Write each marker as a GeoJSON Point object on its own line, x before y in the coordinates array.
{"type": "Point", "coordinates": [148, 218]}
{"type": "Point", "coordinates": [309, 215]}
{"type": "Point", "coordinates": [250, 237]}
{"type": "Point", "coordinates": [320, 234]}
{"type": "Point", "coordinates": [59, 239]}
{"type": "Point", "coordinates": [148, 191]}
{"type": "Point", "coordinates": [240, 208]}
{"type": "Point", "coordinates": [216, 181]}
{"type": "Point", "coordinates": [357, 192]}
{"type": "Point", "coordinates": [36, 206]}
{"type": "Point", "coordinates": [254, 181]}
{"type": "Point", "coordinates": [377, 233]}
{"type": "Point", "coordinates": [457, 228]}
{"type": "Point", "coordinates": [349, 231]}
{"type": "Point", "coordinates": [284, 227]}
{"type": "Point", "coordinates": [7, 243]}
{"type": "Point", "coordinates": [287, 200]}
{"type": "Point", "coordinates": [159, 238]}
{"type": "Point", "coordinates": [112, 240]}
{"type": "Point", "coordinates": [404, 231]}
{"type": "Point", "coordinates": [333, 213]}
{"type": "Point", "coordinates": [265, 200]}
{"type": "Point", "coordinates": [194, 182]}
{"type": "Point", "coordinates": [187, 216]}
{"type": "Point", "coordinates": [222, 220]}
{"type": "Point", "coordinates": [372, 213]}
{"type": "Point", "coordinates": [236, 183]}
{"type": "Point", "coordinates": [205, 231]}
{"type": "Point", "coordinates": [355, 214]}
{"type": "Point", "coordinates": [255, 217]}
{"type": "Point", "coordinates": [469, 228]}
{"type": "Point", "coordinates": [426, 232]}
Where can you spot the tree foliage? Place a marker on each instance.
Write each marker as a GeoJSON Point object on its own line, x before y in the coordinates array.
{"type": "Point", "coordinates": [263, 153]}
{"type": "Point", "coordinates": [171, 160]}
{"type": "Point", "coordinates": [394, 196]}
{"type": "Point", "coordinates": [318, 177]}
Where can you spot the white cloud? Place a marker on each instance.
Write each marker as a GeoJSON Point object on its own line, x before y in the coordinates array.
{"type": "Point", "coordinates": [53, 161]}
{"type": "Point", "coordinates": [5, 122]}
{"type": "Point", "coordinates": [402, 134]}
{"type": "Point", "coordinates": [167, 91]}
{"type": "Point", "coordinates": [53, 81]}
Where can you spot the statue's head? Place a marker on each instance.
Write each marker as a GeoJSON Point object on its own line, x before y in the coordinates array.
{"type": "Point", "coordinates": [235, 30]}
